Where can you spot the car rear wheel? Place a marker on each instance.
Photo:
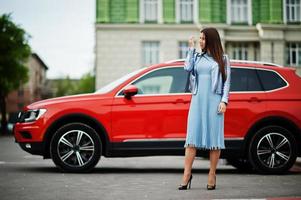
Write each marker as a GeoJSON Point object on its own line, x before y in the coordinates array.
{"type": "Point", "coordinates": [75, 147]}
{"type": "Point", "coordinates": [272, 150]}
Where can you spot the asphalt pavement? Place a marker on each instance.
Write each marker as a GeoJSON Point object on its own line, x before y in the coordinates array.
{"type": "Point", "coordinates": [28, 177]}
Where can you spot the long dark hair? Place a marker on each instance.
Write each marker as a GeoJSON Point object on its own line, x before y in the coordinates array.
{"type": "Point", "coordinates": [213, 44]}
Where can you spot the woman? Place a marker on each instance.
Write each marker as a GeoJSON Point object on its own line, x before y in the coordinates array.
{"type": "Point", "coordinates": [205, 127]}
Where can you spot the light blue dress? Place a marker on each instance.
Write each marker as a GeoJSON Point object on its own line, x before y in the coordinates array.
{"type": "Point", "coordinates": [205, 126]}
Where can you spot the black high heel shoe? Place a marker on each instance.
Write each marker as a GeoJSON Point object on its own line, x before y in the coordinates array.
{"type": "Point", "coordinates": [187, 186]}
{"type": "Point", "coordinates": [212, 187]}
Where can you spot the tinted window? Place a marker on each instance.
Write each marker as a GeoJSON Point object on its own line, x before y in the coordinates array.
{"type": "Point", "coordinates": [244, 80]}
{"type": "Point", "coordinates": [270, 80]}
{"type": "Point", "coordinates": [163, 81]}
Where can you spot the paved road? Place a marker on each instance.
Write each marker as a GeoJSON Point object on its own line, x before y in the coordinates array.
{"type": "Point", "coordinates": [23, 176]}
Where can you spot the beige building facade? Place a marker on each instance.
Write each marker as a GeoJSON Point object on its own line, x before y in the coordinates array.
{"type": "Point", "coordinates": [130, 36]}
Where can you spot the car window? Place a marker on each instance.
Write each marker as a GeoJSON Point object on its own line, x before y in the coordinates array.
{"type": "Point", "coordinates": [117, 82]}
{"type": "Point", "coordinates": [244, 80]}
{"type": "Point", "coordinates": [163, 81]}
{"type": "Point", "coordinates": [270, 80]}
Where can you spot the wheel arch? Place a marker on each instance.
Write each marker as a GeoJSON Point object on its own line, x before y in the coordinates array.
{"type": "Point", "coordinates": [72, 118]}
{"type": "Point", "coordinates": [270, 121]}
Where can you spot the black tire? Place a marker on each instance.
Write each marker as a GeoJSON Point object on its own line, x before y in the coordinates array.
{"type": "Point", "coordinates": [75, 147]}
{"type": "Point", "coordinates": [273, 150]}
{"type": "Point", "coordinates": [242, 164]}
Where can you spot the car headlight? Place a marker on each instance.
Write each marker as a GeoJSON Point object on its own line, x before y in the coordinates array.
{"type": "Point", "coordinates": [30, 115]}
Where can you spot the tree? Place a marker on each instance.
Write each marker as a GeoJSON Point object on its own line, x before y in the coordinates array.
{"type": "Point", "coordinates": [69, 86]}
{"type": "Point", "coordinates": [14, 51]}
{"type": "Point", "coordinates": [86, 84]}
{"type": "Point", "coordinates": [64, 87]}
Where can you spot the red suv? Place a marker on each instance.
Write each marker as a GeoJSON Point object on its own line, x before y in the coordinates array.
{"type": "Point", "coordinates": [145, 112]}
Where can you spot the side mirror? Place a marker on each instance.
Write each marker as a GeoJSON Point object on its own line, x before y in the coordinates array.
{"type": "Point", "coordinates": [130, 91]}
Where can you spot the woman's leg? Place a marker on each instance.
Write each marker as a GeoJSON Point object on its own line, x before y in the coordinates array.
{"type": "Point", "coordinates": [190, 153]}
{"type": "Point", "coordinates": [214, 157]}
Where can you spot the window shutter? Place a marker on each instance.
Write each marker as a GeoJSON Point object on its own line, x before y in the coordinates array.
{"type": "Point", "coordinates": [205, 11]}
{"type": "Point", "coordinates": [276, 11]}
{"type": "Point", "coordinates": [132, 11]}
{"type": "Point", "coordinates": [169, 7]}
{"type": "Point", "coordinates": [102, 11]}
{"type": "Point", "coordinates": [117, 11]}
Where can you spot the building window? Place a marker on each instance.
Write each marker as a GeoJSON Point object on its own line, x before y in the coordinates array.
{"type": "Point", "coordinates": [239, 11]}
{"type": "Point", "coordinates": [183, 49]}
{"type": "Point", "coordinates": [293, 10]}
{"type": "Point", "coordinates": [243, 50]}
{"type": "Point", "coordinates": [293, 54]}
{"type": "Point", "coordinates": [240, 51]}
{"type": "Point", "coordinates": [186, 11]}
{"type": "Point", "coordinates": [150, 52]}
{"type": "Point", "coordinates": [150, 11]}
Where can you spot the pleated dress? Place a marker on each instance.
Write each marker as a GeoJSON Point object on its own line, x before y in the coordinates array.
{"type": "Point", "coordinates": [205, 126]}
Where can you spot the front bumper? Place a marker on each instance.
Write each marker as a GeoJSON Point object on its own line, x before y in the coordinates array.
{"type": "Point", "coordinates": [28, 132]}
{"type": "Point", "coordinates": [35, 148]}
{"type": "Point", "coordinates": [30, 137]}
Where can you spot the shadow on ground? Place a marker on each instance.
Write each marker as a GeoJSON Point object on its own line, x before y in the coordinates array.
{"type": "Point", "coordinates": [125, 170]}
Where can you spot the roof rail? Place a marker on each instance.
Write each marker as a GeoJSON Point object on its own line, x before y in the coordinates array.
{"type": "Point", "coordinates": [236, 61]}
{"type": "Point", "coordinates": [256, 62]}
{"type": "Point", "coordinates": [176, 60]}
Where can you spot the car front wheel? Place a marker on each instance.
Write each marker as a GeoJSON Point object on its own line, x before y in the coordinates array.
{"type": "Point", "coordinates": [75, 147]}
{"type": "Point", "coordinates": [273, 150]}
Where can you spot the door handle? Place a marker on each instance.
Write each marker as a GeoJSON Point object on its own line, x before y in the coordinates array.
{"type": "Point", "coordinates": [180, 101]}
{"type": "Point", "coordinates": [254, 99]}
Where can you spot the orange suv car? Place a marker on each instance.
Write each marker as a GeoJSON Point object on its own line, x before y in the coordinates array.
{"type": "Point", "coordinates": [145, 113]}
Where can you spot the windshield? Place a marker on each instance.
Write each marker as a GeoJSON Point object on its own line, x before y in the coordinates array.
{"type": "Point", "coordinates": [112, 85]}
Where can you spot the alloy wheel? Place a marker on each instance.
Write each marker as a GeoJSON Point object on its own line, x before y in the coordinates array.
{"type": "Point", "coordinates": [274, 150]}
{"type": "Point", "coordinates": [75, 148]}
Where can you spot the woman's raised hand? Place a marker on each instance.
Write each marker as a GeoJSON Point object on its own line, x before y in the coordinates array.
{"type": "Point", "coordinates": [191, 42]}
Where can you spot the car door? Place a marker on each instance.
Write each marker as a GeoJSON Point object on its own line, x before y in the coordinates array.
{"type": "Point", "coordinates": [159, 110]}
{"type": "Point", "coordinates": [247, 102]}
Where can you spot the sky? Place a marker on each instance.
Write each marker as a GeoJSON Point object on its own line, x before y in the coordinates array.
{"type": "Point", "coordinates": [62, 33]}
